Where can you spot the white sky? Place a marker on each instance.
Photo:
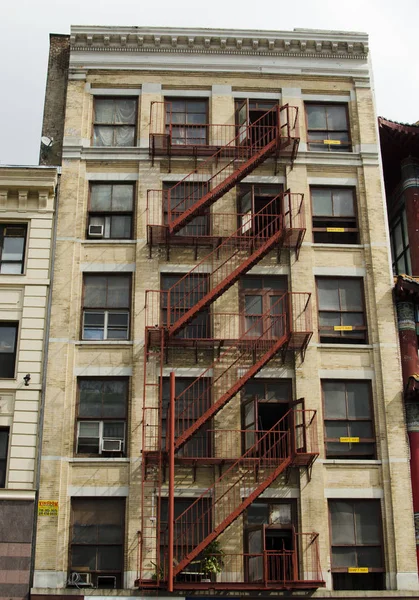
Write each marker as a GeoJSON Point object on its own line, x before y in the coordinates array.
{"type": "Point", "coordinates": [24, 40]}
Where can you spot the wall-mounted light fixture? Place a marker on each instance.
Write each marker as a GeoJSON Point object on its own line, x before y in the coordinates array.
{"type": "Point", "coordinates": [27, 379]}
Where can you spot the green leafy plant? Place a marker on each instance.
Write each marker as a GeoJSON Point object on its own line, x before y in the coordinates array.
{"type": "Point", "coordinates": [158, 571]}
{"type": "Point", "coordinates": [212, 559]}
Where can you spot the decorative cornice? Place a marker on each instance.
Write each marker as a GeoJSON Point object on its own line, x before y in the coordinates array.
{"type": "Point", "coordinates": [297, 43]}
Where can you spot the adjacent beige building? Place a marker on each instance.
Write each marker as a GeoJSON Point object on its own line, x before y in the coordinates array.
{"type": "Point", "coordinates": [27, 208]}
{"type": "Point", "coordinates": [221, 218]}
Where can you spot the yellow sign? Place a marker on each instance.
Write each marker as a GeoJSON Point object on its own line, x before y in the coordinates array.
{"type": "Point", "coordinates": [47, 508]}
{"type": "Point", "coordinates": [353, 440]}
{"type": "Point", "coordinates": [343, 327]}
{"type": "Point", "coordinates": [358, 570]}
{"type": "Point", "coordinates": [332, 142]}
{"type": "Point", "coordinates": [335, 229]}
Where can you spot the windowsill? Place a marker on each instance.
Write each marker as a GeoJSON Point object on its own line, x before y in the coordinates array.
{"type": "Point", "coordinates": [95, 459]}
{"type": "Point", "coordinates": [104, 343]}
{"type": "Point", "coordinates": [109, 241]}
{"type": "Point", "coordinates": [344, 346]}
{"type": "Point", "coordinates": [323, 246]}
{"type": "Point", "coordinates": [351, 461]}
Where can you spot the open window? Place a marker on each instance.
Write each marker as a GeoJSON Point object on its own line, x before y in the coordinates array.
{"type": "Point", "coordinates": [248, 112]}
{"type": "Point", "coordinates": [259, 198]}
{"type": "Point", "coordinates": [334, 215]}
{"type": "Point", "coordinates": [270, 542]}
{"type": "Point", "coordinates": [264, 306]}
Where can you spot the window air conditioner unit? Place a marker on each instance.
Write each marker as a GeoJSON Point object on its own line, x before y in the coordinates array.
{"type": "Point", "coordinates": [110, 445]}
{"type": "Point", "coordinates": [96, 231]}
{"type": "Point", "coordinates": [80, 580]}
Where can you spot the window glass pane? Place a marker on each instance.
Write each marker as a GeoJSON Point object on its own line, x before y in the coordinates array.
{"type": "Point", "coordinates": [358, 400]}
{"type": "Point", "coordinates": [196, 106]}
{"type": "Point", "coordinates": [7, 339]}
{"type": "Point", "coordinates": [4, 442]}
{"type": "Point", "coordinates": [89, 429]}
{"type": "Point", "coordinates": [113, 430]}
{"type": "Point", "coordinates": [93, 328]}
{"type": "Point", "coordinates": [121, 227]}
{"type": "Point", "coordinates": [336, 429]}
{"type": "Point", "coordinates": [354, 319]}
{"type": "Point", "coordinates": [83, 557]}
{"type": "Point", "coordinates": [90, 399]}
{"type": "Point", "coordinates": [95, 291]}
{"type": "Point", "coordinates": [104, 111]}
{"type": "Point", "coordinates": [11, 268]}
{"type": "Point", "coordinates": [124, 136]}
{"type": "Point", "coordinates": [118, 292]}
{"type": "Point", "coordinates": [367, 520]}
{"type": "Point", "coordinates": [361, 429]}
{"type": "Point", "coordinates": [117, 319]}
{"type": "Point", "coordinates": [398, 239]}
{"type": "Point", "coordinates": [281, 514]}
{"type": "Point", "coordinates": [343, 557]}
{"type": "Point", "coordinates": [316, 116]}
{"type": "Point", "coordinates": [343, 203]}
{"type": "Point", "coordinates": [258, 514]}
{"type": "Point", "coordinates": [100, 197]}
{"type": "Point", "coordinates": [177, 105]}
{"type": "Point", "coordinates": [350, 294]}
{"type": "Point", "coordinates": [253, 304]}
{"type": "Point", "coordinates": [342, 520]}
{"type": "Point", "coordinates": [329, 319]}
{"type": "Point", "coordinates": [114, 398]}
{"type": "Point", "coordinates": [125, 111]}
{"type": "Point", "coordinates": [334, 400]}
{"type": "Point", "coordinates": [336, 117]}
{"type": "Point", "coordinates": [404, 226]}
{"type": "Point", "coordinates": [369, 557]}
{"type": "Point", "coordinates": [122, 198]}
{"type": "Point", "coordinates": [13, 248]}
{"type": "Point", "coordinates": [109, 558]}
{"type": "Point", "coordinates": [103, 135]}
{"type": "Point", "coordinates": [322, 202]}
{"type": "Point", "coordinates": [84, 534]}
{"type": "Point", "coordinates": [328, 294]}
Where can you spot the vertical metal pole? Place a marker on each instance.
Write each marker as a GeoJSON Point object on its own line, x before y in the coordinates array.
{"type": "Point", "coordinates": [171, 432]}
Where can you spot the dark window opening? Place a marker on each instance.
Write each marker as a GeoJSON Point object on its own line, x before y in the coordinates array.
{"type": "Point", "coordinates": [334, 216]}
{"type": "Point", "coordinates": [187, 121]}
{"type": "Point", "coordinates": [341, 310]}
{"type": "Point", "coordinates": [349, 429]}
{"type": "Point", "coordinates": [97, 540]}
{"type": "Point", "coordinates": [328, 128]}
{"type": "Point", "coordinates": [260, 114]}
{"type": "Point", "coordinates": [8, 344]}
{"type": "Point", "coordinates": [262, 199]}
{"type": "Point", "coordinates": [110, 211]}
{"type": "Point", "coordinates": [186, 293]}
{"type": "Point", "coordinates": [114, 121]}
{"type": "Point", "coordinates": [189, 406]}
{"type": "Point", "coordinates": [106, 307]}
{"type": "Point", "coordinates": [356, 534]}
{"type": "Point", "coordinates": [101, 419]}
{"type": "Point", "coordinates": [180, 197]}
{"type": "Point", "coordinates": [12, 248]}
{"type": "Point", "coordinates": [4, 448]}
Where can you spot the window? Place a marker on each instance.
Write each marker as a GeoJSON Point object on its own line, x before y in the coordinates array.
{"type": "Point", "coordinates": [197, 389]}
{"type": "Point", "coordinates": [341, 310]}
{"type": "Point", "coordinates": [334, 216]}
{"type": "Point", "coordinates": [327, 128]}
{"type": "Point", "coordinates": [186, 293]}
{"type": "Point", "coordinates": [261, 297]}
{"type": "Point", "coordinates": [356, 543]}
{"type": "Point", "coordinates": [106, 307]}
{"type": "Point", "coordinates": [115, 120]}
{"type": "Point", "coordinates": [4, 447]}
{"type": "Point", "coordinates": [187, 121]}
{"type": "Point", "coordinates": [400, 250]}
{"type": "Point", "coordinates": [8, 341]}
{"type": "Point", "coordinates": [101, 419]}
{"type": "Point", "coordinates": [96, 539]}
{"type": "Point", "coordinates": [262, 199]}
{"type": "Point", "coordinates": [12, 248]}
{"type": "Point", "coordinates": [348, 414]}
{"type": "Point", "coordinates": [110, 211]}
{"type": "Point", "coordinates": [181, 197]}
{"type": "Point", "coordinates": [248, 112]}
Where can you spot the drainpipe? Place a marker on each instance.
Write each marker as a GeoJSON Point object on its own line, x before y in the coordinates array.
{"type": "Point", "coordinates": [37, 474]}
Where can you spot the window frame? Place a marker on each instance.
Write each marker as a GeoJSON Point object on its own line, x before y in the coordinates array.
{"type": "Point", "coordinates": [117, 125]}
{"type": "Point", "coordinates": [105, 310]}
{"type": "Point", "coordinates": [193, 229]}
{"type": "Point", "coordinates": [344, 570]}
{"type": "Point", "coordinates": [329, 147]}
{"type": "Point", "coordinates": [170, 127]}
{"type": "Point", "coordinates": [10, 324]}
{"type": "Point", "coordinates": [335, 222]}
{"type": "Point", "coordinates": [372, 441]}
{"type": "Point", "coordinates": [118, 573]}
{"type": "Point", "coordinates": [400, 218]}
{"type": "Point", "coordinates": [4, 460]}
{"type": "Point", "coordinates": [102, 420]}
{"type": "Point", "coordinates": [342, 338]}
{"type": "Point", "coordinates": [22, 262]}
{"type": "Point", "coordinates": [266, 292]}
{"type": "Point", "coordinates": [109, 214]}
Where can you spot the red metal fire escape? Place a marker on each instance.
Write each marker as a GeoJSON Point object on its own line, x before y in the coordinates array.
{"type": "Point", "coordinates": [243, 347]}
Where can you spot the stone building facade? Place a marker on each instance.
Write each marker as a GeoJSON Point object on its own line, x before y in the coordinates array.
{"type": "Point", "coordinates": [224, 402]}
{"type": "Point", "coordinates": [27, 208]}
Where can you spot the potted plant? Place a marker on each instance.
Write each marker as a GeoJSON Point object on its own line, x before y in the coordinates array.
{"type": "Point", "coordinates": [212, 561]}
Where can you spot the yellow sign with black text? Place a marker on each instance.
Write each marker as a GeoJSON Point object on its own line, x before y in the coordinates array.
{"type": "Point", "coordinates": [346, 440]}
{"type": "Point", "coordinates": [332, 142]}
{"type": "Point", "coordinates": [358, 570]}
{"type": "Point", "coordinates": [335, 229]}
{"type": "Point", "coordinates": [47, 508]}
{"type": "Point", "coordinates": [343, 328]}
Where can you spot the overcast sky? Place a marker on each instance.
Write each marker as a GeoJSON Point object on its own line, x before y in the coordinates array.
{"type": "Point", "coordinates": [25, 26]}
